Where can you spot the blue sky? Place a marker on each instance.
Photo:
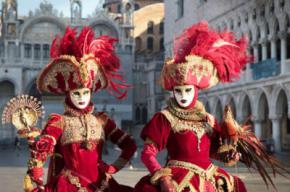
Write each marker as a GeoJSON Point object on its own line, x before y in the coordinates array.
{"type": "Point", "coordinates": [88, 6]}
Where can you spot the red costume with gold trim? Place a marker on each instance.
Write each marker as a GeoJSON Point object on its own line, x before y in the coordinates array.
{"type": "Point", "coordinates": [192, 136]}
{"type": "Point", "coordinates": [75, 139]}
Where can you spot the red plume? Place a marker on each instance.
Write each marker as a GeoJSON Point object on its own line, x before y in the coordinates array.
{"type": "Point", "coordinates": [227, 55]}
{"type": "Point", "coordinates": [184, 43]}
{"type": "Point", "coordinates": [103, 49]}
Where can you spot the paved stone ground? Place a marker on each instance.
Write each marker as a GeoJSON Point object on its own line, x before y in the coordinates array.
{"type": "Point", "coordinates": [12, 170]}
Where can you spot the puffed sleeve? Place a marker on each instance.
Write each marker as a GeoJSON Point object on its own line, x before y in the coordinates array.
{"type": "Point", "coordinates": [50, 135]}
{"type": "Point", "coordinates": [157, 130]}
{"type": "Point", "coordinates": [117, 136]}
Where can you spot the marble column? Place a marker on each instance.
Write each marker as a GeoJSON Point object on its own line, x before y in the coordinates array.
{"type": "Point", "coordinates": [32, 52]}
{"type": "Point", "coordinates": [256, 53]}
{"type": "Point", "coordinates": [273, 48]}
{"type": "Point", "coordinates": [22, 51]}
{"type": "Point", "coordinates": [258, 128]}
{"type": "Point", "coordinates": [283, 55]}
{"type": "Point", "coordinates": [41, 53]}
{"type": "Point", "coordinates": [264, 50]}
{"type": "Point", "coordinates": [276, 132]}
{"type": "Point", "coordinates": [6, 49]}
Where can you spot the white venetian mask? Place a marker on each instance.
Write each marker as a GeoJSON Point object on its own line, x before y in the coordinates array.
{"type": "Point", "coordinates": [80, 97]}
{"type": "Point", "coordinates": [184, 95]}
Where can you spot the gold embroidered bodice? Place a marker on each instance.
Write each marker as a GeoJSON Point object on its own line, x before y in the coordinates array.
{"type": "Point", "coordinates": [186, 119]}
{"type": "Point", "coordinates": [82, 128]}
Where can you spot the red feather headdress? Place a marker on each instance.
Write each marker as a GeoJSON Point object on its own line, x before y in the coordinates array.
{"type": "Point", "coordinates": [82, 61]}
{"type": "Point", "coordinates": [203, 57]}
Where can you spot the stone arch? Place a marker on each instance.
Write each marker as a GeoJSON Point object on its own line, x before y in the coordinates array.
{"type": "Point", "coordinates": [217, 109]}
{"type": "Point", "coordinates": [207, 107]}
{"type": "Point", "coordinates": [231, 101]}
{"type": "Point", "coordinates": [254, 30]}
{"type": "Point", "coordinates": [274, 25]}
{"type": "Point", "coordinates": [205, 103]}
{"type": "Point", "coordinates": [108, 24]}
{"type": "Point", "coordinates": [7, 91]}
{"type": "Point", "coordinates": [284, 20]}
{"type": "Point", "coordinates": [257, 97]}
{"type": "Point", "coordinates": [283, 130]}
{"type": "Point", "coordinates": [281, 103]}
{"type": "Point", "coordinates": [275, 96]}
{"type": "Point", "coordinates": [33, 21]}
{"type": "Point", "coordinates": [246, 111]}
{"type": "Point", "coordinates": [263, 116]}
{"type": "Point", "coordinates": [13, 81]}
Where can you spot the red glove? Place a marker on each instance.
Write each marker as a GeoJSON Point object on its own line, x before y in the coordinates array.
{"type": "Point", "coordinates": [166, 184]}
{"type": "Point", "coordinates": [36, 173]}
{"type": "Point", "coordinates": [110, 169]}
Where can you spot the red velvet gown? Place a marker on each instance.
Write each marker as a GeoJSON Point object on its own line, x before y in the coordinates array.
{"type": "Point", "coordinates": [78, 150]}
{"type": "Point", "coordinates": [188, 156]}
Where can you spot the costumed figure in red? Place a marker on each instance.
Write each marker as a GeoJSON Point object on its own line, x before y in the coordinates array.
{"type": "Point", "coordinates": [74, 140]}
{"type": "Point", "coordinates": [202, 58]}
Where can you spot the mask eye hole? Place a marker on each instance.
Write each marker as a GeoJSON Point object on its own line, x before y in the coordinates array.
{"type": "Point", "coordinates": [177, 90]}
{"type": "Point", "coordinates": [187, 90]}
{"type": "Point", "coordinates": [86, 92]}
{"type": "Point", "coordinates": [76, 94]}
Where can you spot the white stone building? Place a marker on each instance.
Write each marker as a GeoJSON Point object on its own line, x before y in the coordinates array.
{"type": "Point", "coordinates": [24, 51]}
{"type": "Point", "coordinates": [263, 91]}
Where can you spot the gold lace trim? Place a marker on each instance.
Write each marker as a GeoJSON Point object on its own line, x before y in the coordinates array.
{"type": "Point", "coordinates": [86, 128]}
{"type": "Point", "coordinates": [197, 113]}
{"type": "Point", "coordinates": [178, 125]}
{"type": "Point", "coordinates": [160, 173]}
{"type": "Point", "coordinates": [74, 180]}
{"type": "Point", "coordinates": [204, 175]}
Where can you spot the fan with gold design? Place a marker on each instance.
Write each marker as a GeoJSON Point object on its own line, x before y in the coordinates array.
{"type": "Point", "coordinates": [23, 112]}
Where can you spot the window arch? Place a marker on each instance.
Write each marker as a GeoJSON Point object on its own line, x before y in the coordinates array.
{"type": "Point", "coordinates": [138, 44]}
{"type": "Point", "coordinates": [150, 27]}
{"type": "Point", "coordinates": [150, 43]}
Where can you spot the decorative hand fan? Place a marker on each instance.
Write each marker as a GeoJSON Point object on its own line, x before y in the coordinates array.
{"type": "Point", "coordinates": [23, 112]}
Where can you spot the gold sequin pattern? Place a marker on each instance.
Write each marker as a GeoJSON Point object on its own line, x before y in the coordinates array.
{"type": "Point", "coordinates": [195, 65]}
{"type": "Point", "coordinates": [82, 128]}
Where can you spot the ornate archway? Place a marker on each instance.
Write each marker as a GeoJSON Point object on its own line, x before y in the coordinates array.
{"type": "Point", "coordinates": [7, 91]}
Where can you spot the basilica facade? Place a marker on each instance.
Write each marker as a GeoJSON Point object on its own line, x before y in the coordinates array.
{"type": "Point", "coordinates": [24, 50]}
{"type": "Point", "coordinates": [262, 95]}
